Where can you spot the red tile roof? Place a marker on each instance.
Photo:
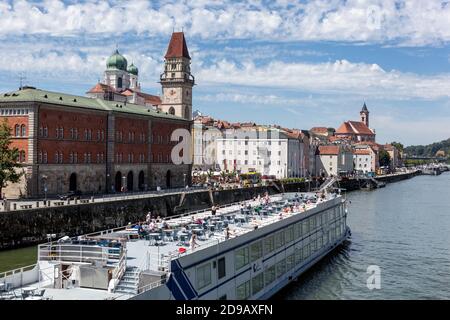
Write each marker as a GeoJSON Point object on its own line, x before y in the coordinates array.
{"type": "Point", "coordinates": [149, 98]}
{"type": "Point", "coordinates": [101, 88]}
{"type": "Point", "coordinates": [177, 46]}
{"type": "Point", "coordinates": [319, 130]}
{"type": "Point", "coordinates": [354, 127]}
{"type": "Point", "coordinates": [364, 152]}
{"type": "Point", "coordinates": [329, 150]}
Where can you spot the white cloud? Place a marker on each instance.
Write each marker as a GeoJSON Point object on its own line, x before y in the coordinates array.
{"type": "Point", "coordinates": [412, 22]}
{"type": "Point", "coordinates": [339, 77]}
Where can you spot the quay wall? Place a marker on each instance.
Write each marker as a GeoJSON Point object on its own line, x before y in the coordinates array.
{"type": "Point", "coordinates": [27, 227]}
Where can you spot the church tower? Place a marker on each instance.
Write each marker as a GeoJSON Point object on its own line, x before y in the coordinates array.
{"type": "Point", "coordinates": [365, 115]}
{"type": "Point", "coordinates": [176, 80]}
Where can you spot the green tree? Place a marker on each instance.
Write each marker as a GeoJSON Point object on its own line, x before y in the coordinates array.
{"type": "Point", "coordinates": [8, 158]}
{"type": "Point", "coordinates": [385, 158]}
{"type": "Point", "coordinates": [398, 145]}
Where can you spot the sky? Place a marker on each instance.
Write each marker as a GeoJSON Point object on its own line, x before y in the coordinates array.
{"type": "Point", "coordinates": [298, 64]}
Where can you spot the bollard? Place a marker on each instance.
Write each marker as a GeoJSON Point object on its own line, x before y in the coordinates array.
{"type": "Point", "coordinates": [76, 200]}
{"type": "Point", "coordinates": [68, 201]}
{"type": "Point", "coordinates": [92, 198]}
{"type": "Point", "coordinates": [37, 204]}
{"type": "Point", "coordinates": [14, 206]}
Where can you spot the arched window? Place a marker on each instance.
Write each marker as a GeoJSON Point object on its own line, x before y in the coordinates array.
{"type": "Point", "coordinates": [119, 82]}
{"type": "Point", "coordinates": [172, 110]}
{"type": "Point", "coordinates": [23, 130]}
{"type": "Point", "coordinates": [17, 130]}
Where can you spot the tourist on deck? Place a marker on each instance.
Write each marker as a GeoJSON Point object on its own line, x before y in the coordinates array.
{"type": "Point", "coordinates": [148, 218]}
{"type": "Point", "coordinates": [193, 241]}
{"type": "Point", "coordinates": [242, 208]}
{"type": "Point", "coordinates": [227, 233]}
{"type": "Point", "coordinates": [213, 210]}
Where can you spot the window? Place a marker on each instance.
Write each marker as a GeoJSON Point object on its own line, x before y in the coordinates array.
{"type": "Point", "coordinates": [243, 291]}
{"type": "Point", "coordinates": [221, 268]}
{"type": "Point", "coordinates": [17, 130]}
{"type": "Point", "coordinates": [268, 245]}
{"type": "Point", "coordinates": [45, 131]}
{"type": "Point", "coordinates": [203, 276]}
{"type": "Point", "coordinates": [174, 66]}
{"type": "Point", "coordinates": [71, 157]}
{"type": "Point", "coordinates": [289, 234]}
{"type": "Point", "coordinates": [241, 258]}
{"type": "Point", "coordinates": [279, 239]}
{"type": "Point", "coordinates": [290, 261]}
{"type": "Point", "coordinates": [269, 275]}
{"type": "Point", "coordinates": [257, 283]}
{"type": "Point", "coordinates": [75, 157]}
{"type": "Point", "coordinates": [173, 74]}
{"type": "Point", "coordinates": [281, 268]}
{"type": "Point", "coordinates": [44, 160]}
{"type": "Point", "coordinates": [119, 82]}
{"type": "Point", "coordinates": [256, 251]}
{"type": "Point", "coordinates": [23, 130]}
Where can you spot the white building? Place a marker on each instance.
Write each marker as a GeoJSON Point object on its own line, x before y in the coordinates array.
{"type": "Point", "coordinates": [266, 150]}
{"type": "Point", "coordinates": [362, 159]}
{"type": "Point", "coordinates": [334, 160]}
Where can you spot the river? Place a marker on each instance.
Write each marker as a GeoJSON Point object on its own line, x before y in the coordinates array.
{"type": "Point", "coordinates": [404, 229]}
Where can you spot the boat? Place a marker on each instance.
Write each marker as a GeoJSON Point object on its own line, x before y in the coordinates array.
{"type": "Point", "coordinates": [244, 251]}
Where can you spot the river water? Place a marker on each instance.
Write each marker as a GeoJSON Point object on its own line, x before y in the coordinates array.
{"type": "Point", "coordinates": [404, 229]}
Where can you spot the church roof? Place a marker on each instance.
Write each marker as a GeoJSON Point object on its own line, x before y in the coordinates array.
{"type": "Point", "coordinates": [149, 98]}
{"type": "Point", "coordinates": [354, 127]}
{"type": "Point", "coordinates": [101, 88]}
{"type": "Point", "coordinates": [177, 47]}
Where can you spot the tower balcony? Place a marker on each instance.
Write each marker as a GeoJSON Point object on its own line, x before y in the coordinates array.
{"type": "Point", "coordinates": [164, 78]}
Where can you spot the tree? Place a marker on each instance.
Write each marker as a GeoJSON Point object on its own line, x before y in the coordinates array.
{"type": "Point", "coordinates": [8, 158]}
{"type": "Point", "coordinates": [398, 145]}
{"type": "Point", "coordinates": [385, 158]}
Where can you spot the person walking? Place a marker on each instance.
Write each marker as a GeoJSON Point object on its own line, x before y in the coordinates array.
{"type": "Point", "coordinates": [193, 242]}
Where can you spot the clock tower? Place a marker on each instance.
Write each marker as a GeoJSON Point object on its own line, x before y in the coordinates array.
{"type": "Point", "coordinates": [176, 80]}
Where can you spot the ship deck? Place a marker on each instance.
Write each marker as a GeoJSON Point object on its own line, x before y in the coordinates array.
{"type": "Point", "coordinates": [155, 248]}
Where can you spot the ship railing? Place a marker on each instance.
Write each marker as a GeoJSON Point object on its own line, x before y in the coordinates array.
{"type": "Point", "coordinates": [119, 270]}
{"type": "Point", "coordinates": [152, 285]}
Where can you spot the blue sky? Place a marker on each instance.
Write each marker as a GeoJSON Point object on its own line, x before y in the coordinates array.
{"type": "Point", "coordinates": [298, 64]}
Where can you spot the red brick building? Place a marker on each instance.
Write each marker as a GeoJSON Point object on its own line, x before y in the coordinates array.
{"type": "Point", "coordinates": [94, 144]}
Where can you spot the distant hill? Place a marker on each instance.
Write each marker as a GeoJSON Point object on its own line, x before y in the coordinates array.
{"type": "Point", "coordinates": [428, 150]}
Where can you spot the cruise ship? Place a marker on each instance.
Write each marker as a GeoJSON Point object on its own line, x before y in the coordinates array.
{"type": "Point", "coordinates": [242, 251]}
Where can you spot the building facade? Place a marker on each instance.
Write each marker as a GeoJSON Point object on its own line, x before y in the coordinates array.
{"type": "Point", "coordinates": [95, 144]}
{"type": "Point", "coordinates": [334, 160]}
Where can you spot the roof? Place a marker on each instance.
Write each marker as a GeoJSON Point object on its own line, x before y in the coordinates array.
{"type": "Point", "coordinates": [362, 152]}
{"type": "Point", "coordinates": [102, 88]}
{"type": "Point", "coordinates": [354, 127]}
{"type": "Point", "coordinates": [329, 150]}
{"type": "Point", "coordinates": [364, 108]}
{"type": "Point", "coordinates": [149, 98]}
{"type": "Point", "coordinates": [177, 47]}
{"type": "Point", "coordinates": [319, 130]}
{"type": "Point", "coordinates": [63, 99]}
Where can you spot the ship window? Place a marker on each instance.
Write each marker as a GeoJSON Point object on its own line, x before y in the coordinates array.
{"type": "Point", "coordinates": [281, 268]}
{"type": "Point", "coordinates": [306, 251]}
{"type": "Point", "coordinates": [243, 291]}
{"type": "Point", "coordinates": [203, 276]}
{"type": "Point", "coordinates": [257, 283]}
{"type": "Point", "coordinates": [298, 230]}
{"type": "Point", "coordinates": [298, 255]}
{"type": "Point", "coordinates": [256, 251]}
{"type": "Point", "coordinates": [269, 275]}
{"type": "Point", "coordinates": [221, 270]}
{"type": "Point", "coordinates": [241, 258]}
{"type": "Point", "coordinates": [289, 234]}
{"type": "Point", "coordinates": [305, 224]}
{"type": "Point", "coordinates": [290, 261]}
{"type": "Point", "coordinates": [268, 245]}
{"type": "Point", "coordinates": [279, 239]}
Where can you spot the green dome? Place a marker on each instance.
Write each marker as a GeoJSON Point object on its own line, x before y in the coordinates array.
{"type": "Point", "coordinates": [133, 69]}
{"type": "Point", "coordinates": [116, 61]}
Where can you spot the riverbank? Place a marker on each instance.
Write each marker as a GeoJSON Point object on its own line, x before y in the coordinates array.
{"type": "Point", "coordinates": [29, 227]}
